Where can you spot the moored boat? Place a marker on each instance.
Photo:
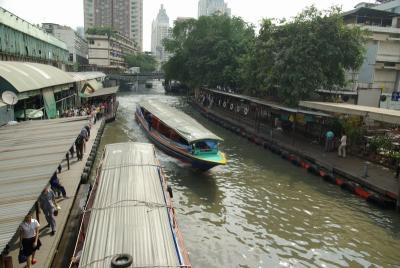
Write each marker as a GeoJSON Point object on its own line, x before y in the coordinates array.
{"type": "Point", "coordinates": [129, 219]}
{"type": "Point", "coordinates": [180, 135]}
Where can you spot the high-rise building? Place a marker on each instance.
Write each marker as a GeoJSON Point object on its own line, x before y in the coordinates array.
{"type": "Point", "coordinates": [159, 31]}
{"type": "Point", "coordinates": [77, 46]}
{"type": "Point", "coordinates": [125, 16]}
{"type": "Point", "coordinates": [211, 7]}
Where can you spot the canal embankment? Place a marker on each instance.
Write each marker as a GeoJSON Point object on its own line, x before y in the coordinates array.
{"type": "Point", "coordinates": [372, 182]}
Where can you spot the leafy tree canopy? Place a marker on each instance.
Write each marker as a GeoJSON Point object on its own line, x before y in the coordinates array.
{"type": "Point", "coordinates": [147, 63]}
{"type": "Point", "coordinates": [292, 59]}
{"type": "Point", "coordinates": [208, 51]}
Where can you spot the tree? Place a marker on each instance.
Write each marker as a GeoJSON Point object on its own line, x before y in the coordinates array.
{"type": "Point", "coordinates": [147, 63]}
{"type": "Point", "coordinates": [208, 51]}
{"type": "Point", "coordinates": [292, 59]}
{"type": "Point", "coordinates": [101, 30]}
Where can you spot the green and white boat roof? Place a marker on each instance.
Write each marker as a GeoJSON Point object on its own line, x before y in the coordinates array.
{"type": "Point", "coordinates": [188, 128]}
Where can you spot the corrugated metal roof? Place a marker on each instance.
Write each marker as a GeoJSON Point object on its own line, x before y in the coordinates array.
{"type": "Point", "coordinates": [15, 22]}
{"type": "Point", "coordinates": [27, 76]}
{"type": "Point", "coordinates": [184, 125]}
{"type": "Point", "coordinates": [84, 76]}
{"type": "Point", "coordinates": [130, 213]}
{"type": "Point", "coordinates": [103, 92]}
{"type": "Point", "coordinates": [29, 154]}
{"type": "Point", "coordinates": [269, 104]}
{"type": "Point", "coordinates": [378, 114]}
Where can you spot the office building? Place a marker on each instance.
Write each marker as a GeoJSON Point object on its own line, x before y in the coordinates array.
{"type": "Point", "coordinates": [160, 31]}
{"type": "Point", "coordinates": [108, 52]}
{"type": "Point", "coordinates": [125, 16]}
{"type": "Point", "coordinates": [211, 7]}
{"type": "Point", "coordinates": [76, 45]}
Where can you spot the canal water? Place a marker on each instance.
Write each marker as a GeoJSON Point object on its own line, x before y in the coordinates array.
{"type": "Point", "coordinates": [259, 210]}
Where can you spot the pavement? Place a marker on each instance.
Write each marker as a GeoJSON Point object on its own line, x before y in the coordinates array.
{"type": "Point", "coordinates": [380, 179]}
{"type": "Point", "coordinates": [70, 179]}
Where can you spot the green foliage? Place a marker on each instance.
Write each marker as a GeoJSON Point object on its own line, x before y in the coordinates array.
{"type": "Point", "coordinates": [208, 51]}
{"type": "Point", "coordinates": [381, 143]}
{"type": "Point", "coordinates": [147, 63]}
{"type": "Point", "coordinates": [100, 30]}
{"type": "Point", "coordinates": [292, 59]}
{"type": "Point", "coordinates": [353, 128]}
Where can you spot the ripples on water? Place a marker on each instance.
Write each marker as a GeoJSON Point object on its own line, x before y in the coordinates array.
{"type": "Point", "coordinates": [260, 211]}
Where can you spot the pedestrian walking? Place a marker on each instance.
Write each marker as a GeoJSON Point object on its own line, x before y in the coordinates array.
{"type": "Point", "coordinates": [329, 136]}
{"type": "Point", "coordinates": [342, 146]}
{"type": "Point", "coordinates": [29, 239]}
{"type": "Point", "coordinates": [79, 147]}
{"type": "Point", "coordinates": [48, 204]}
{"type": "Point", "coordinates": [56, 186]}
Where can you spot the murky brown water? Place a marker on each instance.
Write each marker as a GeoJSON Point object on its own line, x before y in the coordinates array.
{"type": "Point", "coordinates": [260, 211]}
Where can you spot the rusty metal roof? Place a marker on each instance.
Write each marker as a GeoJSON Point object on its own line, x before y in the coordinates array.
{"type": "Point", "coordinates": [132, 213]}
{"type": "Point", "coordinates": [30, 152]}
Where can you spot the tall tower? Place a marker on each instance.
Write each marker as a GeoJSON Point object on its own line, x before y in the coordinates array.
{"type": "Point", "coordinates": [159, 31]}
{"type": "Point", "coordinates": [210, 7]}
{"type": "Point", "coordinates": [125, 16]}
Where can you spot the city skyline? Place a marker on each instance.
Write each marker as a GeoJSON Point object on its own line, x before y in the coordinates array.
{"type": "Point", "coordinates": [70, 13]}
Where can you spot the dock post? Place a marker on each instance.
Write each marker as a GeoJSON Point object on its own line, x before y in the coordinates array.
{"type": "Point", "coordinates": [67, 160]}
{"type": "Point", "coordinates": [366, 169]}
{"type": "Point", "coordinates": [398, 198]}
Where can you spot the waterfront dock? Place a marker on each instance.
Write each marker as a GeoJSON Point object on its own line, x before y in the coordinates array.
{"type": "Point", "coordinates": [302, 152]}
{"type": "Point", "coordinates": [70, 179]}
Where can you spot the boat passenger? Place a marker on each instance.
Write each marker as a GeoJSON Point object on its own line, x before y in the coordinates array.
{"type": "Point", "coordinates": [149, 119]}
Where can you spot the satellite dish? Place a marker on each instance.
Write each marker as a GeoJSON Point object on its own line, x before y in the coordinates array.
{"type": "Point", "coordinates": [9, 97]}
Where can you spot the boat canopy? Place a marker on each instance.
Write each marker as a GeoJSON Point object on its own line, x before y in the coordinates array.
{"type": "Point", "coordinates": [188, 128]}
{"type": "Point", "coordinates": [130, 212]}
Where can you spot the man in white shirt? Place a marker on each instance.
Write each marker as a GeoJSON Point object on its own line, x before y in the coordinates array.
{"type": "Point", "coordinates": [342, 146]}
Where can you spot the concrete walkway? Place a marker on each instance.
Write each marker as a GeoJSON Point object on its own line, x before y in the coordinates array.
{"type": "Point", "coordinates": [380, 179]}
{"type": "Point", "coordinates": [70, 179]}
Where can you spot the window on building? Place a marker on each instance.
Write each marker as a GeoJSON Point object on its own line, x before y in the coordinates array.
{"type": "Point", "coordinates": [91, 42]}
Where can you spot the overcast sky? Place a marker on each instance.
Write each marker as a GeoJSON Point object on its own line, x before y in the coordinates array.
{"type": "Point", "coordinates": [70, 12]}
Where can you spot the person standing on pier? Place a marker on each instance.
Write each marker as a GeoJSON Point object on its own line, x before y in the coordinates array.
{"type": "Point", "coordinates": [29, 239]}
{"type": "Point", "coordinates": [342, 146]}
{"type": "Point", "coordinates": [329, 136]}
{"type": "Point", "coordinates": [48, 204]}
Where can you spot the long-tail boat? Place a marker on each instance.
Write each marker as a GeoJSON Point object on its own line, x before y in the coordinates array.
{"type": "Point", "coordinates": [180, 135]}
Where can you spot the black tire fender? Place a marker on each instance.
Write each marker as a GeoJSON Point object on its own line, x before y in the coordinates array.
{"type": "Point", "coordinates": [121, 261]}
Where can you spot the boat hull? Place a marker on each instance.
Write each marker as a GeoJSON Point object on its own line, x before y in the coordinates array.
{"type": "Point", "coordinates": [173, 150]}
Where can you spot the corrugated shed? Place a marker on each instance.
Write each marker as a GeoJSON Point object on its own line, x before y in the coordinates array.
{"type": "Point", "coordinates": [103, 92]}
{"type": "Point", "coordinates": [184, 125]}
{"type": "Point", "coordinates": [29, 154]}
{"type": "Point", "coordinates": [378, 114]}
{"type": "Point", "coordinates": [15, 22]}
{"type": "Point", "coordinates": [84, 76]}
{"type": "Point", "coordinates": [26, 76]}
{"type": "Point", "coordinates": [130, 213]}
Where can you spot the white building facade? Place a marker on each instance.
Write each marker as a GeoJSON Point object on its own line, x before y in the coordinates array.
{"type": "Point", "coordinates": [110, 52]}
{"type": "Point", "coordinates": [77, 46]}
{"type": "Point", "coordinates": [160, 30]}
{"type": "Point", "coordinates": [211, 7]}
{"type": "Point", "coordinates": [381, 66]}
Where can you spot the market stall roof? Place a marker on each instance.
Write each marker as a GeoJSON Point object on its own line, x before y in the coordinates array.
{"type": "Point", "coordinates": [132, 220]}
{"type": "Point", "coordinates": [84, 76]}
{"type": "Point", "coordinates": [27, 76]}
{"type": "Point", "coordinates": [102, 92]}
{"type": "Point", "coordinates": [30, 152]}
{"type": "Point", "coordinates": [269, 104]}
{"type": "Point", "coordinates": [184, 125]}
{"type": "Point", "coordinates": [377, 114]}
